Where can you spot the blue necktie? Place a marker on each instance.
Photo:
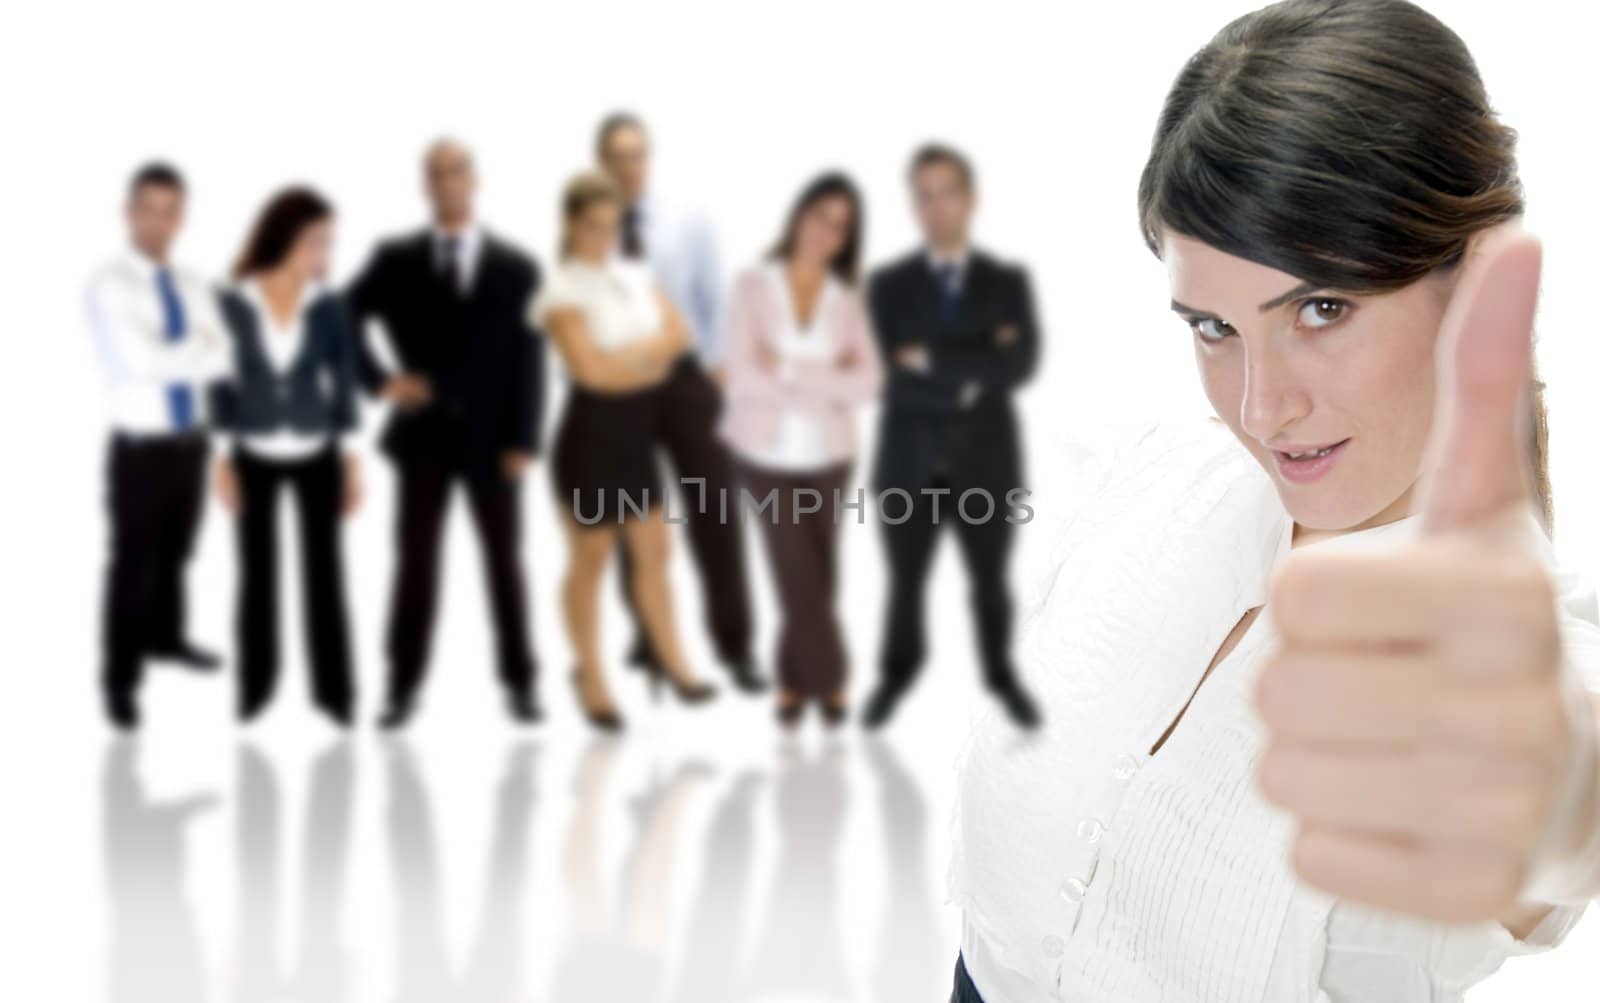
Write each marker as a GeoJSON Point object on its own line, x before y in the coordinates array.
{"type": "Point", "coordinates": [949, 289]}
{"type": "Point", "coordinates": [180, 397]}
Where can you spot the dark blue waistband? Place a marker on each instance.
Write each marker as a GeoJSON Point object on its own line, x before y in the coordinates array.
{"type": "Point", "coordinates": [965, 991]}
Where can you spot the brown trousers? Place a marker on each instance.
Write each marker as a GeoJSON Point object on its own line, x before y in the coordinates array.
{"type": "Point", "coordinates": [803, 548]}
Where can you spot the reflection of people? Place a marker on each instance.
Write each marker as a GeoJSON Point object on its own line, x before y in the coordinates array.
{"type": "Point", "coordinates": [161, 341]}
{"type": "Point", "coordinates": [1327, 187]}
{"type": "Point", "coordinates": [905, 963]}
{"type": "Point", "coordinates": [681, 253]}
{"type": "Point", "coordinates": [959, 331]}
{"type": "Point", "coordinates": [619, 338]}
{"type": "Point", "coordinates": [493, 971]}
{"type": "Point", "coordinates": [800, 360]}
{"type": "Point", "coordinates": [714, 934]}
{"type": "Point", "coordinates": [618, 934]}
{"type": "Point", "coordinates": [467, 398]}
{"type": "Point", "coordinates": [799, 950]}
{"type": "Point", "coordinates": [291, 397]}
{"type": "Point", "coordinates": [155, 943]}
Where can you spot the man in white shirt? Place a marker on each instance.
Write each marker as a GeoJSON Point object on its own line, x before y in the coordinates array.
{"type": "Point", "coordinates": [160, 339]}
{"type": "Point", "coordinates": [681, 253]}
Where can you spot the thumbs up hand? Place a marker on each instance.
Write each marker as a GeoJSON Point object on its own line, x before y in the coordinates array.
{"type": "Point", "coordinates": [1421, 727]}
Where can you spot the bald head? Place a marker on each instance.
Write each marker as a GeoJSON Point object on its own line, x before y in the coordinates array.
{"type": "Point", "coordinates": [451, 181]}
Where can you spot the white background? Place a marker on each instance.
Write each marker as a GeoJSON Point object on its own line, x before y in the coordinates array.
{"type": "Point", "coordinates": [1056, 103]}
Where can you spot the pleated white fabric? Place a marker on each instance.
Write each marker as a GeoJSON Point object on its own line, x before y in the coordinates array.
{"type": "Point", "coordinates": [1088, 868]}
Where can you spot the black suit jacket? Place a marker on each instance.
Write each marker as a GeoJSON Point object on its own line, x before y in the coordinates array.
{"type": "Point", "coordinates": [955, 419]}
{"type": "Point", "coordinates": [483, 361]}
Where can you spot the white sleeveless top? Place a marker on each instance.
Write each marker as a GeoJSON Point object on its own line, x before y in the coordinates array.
{"type": "Point", "coordinates": [618, 300]}
{"type": "Point", "coordinates": [1088, 869]}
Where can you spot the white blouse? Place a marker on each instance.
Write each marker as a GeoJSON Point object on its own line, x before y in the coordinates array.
{"type": "Point", "coordinates": [1089, 869]}
{"type": "Point", "coordinates": [618, 300]}
{"type": "Point", "coordinates": [801, 444]}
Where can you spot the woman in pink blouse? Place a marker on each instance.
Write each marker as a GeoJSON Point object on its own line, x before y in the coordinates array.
{"type": "Point", "coordinates": [800, 359]}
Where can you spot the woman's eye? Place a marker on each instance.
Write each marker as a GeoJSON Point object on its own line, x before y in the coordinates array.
{"type": "Point", "coordinates": [1211, 329]}
{"type": "Point", "coordinates": [1322, 311]}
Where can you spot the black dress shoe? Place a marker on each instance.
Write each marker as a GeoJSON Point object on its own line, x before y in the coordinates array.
{"type": "Point", "coordinates": [790, 712]}
{"type": "Point", "coordinates": [745, 675]}
{"type": "Point", "coordinates": [523, 707]}
{"type": "Point", "coordinates": [833, 714]}
{"type": "Point", "coordinates": [880, 707]}
{"type": "Point", "coordinates": [1019, 705]}
{"type": "Point", "coordinates": [122, 709]}
{"type": "Point", "coordinates": [190, 657]}
{"type": "Point", "coordinates": [397, 715]}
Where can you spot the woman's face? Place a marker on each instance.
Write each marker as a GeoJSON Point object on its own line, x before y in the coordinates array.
{"type": "Point", "coordinates": [594, 232]}
{"type": "Point", "coordinates": [823, 230]}
{"type": "Point", "coordinates": [312, 251]}
{"type": "Point", "coordinates": [1332, 393]}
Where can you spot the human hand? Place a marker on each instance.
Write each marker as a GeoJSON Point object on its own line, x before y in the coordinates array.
{"type": "Point", "coordinates": [1421, 726]}
{"type": "Point", "coordinates": [407, 390]}
{"type": "Point", "coordinates": [353, 488]}
{"type": "Point", "coordinates": [913, 357]}
{"type": "Point", "coordinates": [227, 481]}
{"type": "Point", "coordinates": [514, 464]}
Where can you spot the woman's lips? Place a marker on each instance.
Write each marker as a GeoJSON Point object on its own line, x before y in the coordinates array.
{"type": "Point", "coordinates": [1304, 464]}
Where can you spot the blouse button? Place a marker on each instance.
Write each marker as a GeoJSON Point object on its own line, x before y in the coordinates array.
{"type": "Point", "coordinates": [1090, 830]}
{"type": "Point", "coordinates": [1052, 946]}
{"type": "Point", "coordinates": [1125, 767]}
{"type": "Point", "coordinates": [1073, 890]}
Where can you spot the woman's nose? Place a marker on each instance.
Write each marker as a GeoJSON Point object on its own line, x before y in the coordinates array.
{"type": "Point", "coordinates": [1274, 395]}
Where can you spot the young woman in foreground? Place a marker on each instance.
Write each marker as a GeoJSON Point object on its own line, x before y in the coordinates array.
{"type": "Point", "coordinates": [1319, 723]}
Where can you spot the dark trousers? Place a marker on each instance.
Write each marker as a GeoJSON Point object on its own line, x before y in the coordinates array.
{"type": "Point", "coordinates": [964, 991]}
{"type": "Point", "coordinates": [425, 484]}
{"type": "Point", "coordinates": [803, 548]}
{"type": "Point", "coordinates": [317, 486]}
{"type": "Point", "coordinates": [155, 489]}
{"type": "Point", "coordinates": [686, 427]}
{"type": "Point", "coordinates": [986, 551]}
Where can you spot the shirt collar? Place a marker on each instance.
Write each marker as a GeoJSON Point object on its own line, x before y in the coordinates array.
{"type": "Point", "coordinates": [960, 260]}
{"type": "Point", "coordinates": [469, 237]}
{"type": "Point", "coordinates": [146, 266]}
{"type": "Point", "coordinates": [250, 289]}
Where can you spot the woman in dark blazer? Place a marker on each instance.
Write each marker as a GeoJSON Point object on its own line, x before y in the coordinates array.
{"type": "Point", "coordinates": [291, 398]}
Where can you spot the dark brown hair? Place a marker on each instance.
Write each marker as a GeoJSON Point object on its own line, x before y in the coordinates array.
{"type": "Point", "coordinates": [929, 154]}
{"type": "Point", "coordinates": [1349, 143]}
{"type": "Point", "coordinates": [156, 174]}
{"type": "Point", "coordinates": [280, 224]}
{"type": "Point", "coordinates": [846, 264]}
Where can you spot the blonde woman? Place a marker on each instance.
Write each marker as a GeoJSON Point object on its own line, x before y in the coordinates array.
{"type": "Point", "coordinates": [619, 338]}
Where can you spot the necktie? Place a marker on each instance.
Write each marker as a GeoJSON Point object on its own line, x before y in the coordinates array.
{"type": "Point", "coordinates": [949, 289]}
{"type": "Point", "coordinates": [180, 396]}
{"type": "Point", "coordinates": [450, 261]}
{"type": "Point", "coordinates": [632, 240]}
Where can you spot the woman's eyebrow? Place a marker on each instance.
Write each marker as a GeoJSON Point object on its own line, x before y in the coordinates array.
{"type": "Point", "coordinates": [1299, 290]}
{"type": "Point", "coordinates": [1189, 311]}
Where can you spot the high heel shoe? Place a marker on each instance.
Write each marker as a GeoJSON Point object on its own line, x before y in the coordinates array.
{"type": "Point", "coordinates": [602, 720]}
{"type": "Point", "coordinates": [689, 693]}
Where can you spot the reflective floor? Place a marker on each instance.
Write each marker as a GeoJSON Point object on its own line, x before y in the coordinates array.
{"type": "Point", "coordinates": [618, 872]}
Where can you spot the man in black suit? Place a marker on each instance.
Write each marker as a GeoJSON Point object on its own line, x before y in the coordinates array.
{"type": "Point", "coordinates": [467, 401]}
{"type": "Point", "coordinates": [959, 329]}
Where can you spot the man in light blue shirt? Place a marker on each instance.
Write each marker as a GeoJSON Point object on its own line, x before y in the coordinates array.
{"type": "Point", "coordinates": [681, 251]}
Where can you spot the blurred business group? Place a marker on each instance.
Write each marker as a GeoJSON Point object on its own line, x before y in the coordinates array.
{"type": "Point", "coordinates": [719, 403]}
